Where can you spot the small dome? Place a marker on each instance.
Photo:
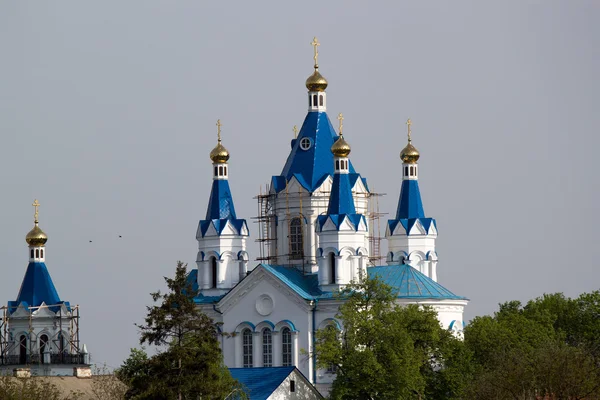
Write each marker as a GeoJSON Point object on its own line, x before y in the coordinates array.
{"type": "Point", "coordinates": [341, 148]}
{"type": "Point", "coordinates": [219, 155]}
{"type": "Point", "coordinates": [410, 154]}
{"type": "Point", "coordinates": [316, 82]}
{"type": "Point", "coordinates": [36, 236]}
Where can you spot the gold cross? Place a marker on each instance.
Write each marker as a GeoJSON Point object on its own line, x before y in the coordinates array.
{"type": "Point", "coordinates": [295, 129]}
{"type": "Point", "coordinates": [409, 123]}
{"type": "Point", "coordinates": [315, 44]}
{"type": "Point", "coordinates": [219, 129]}
{"type": "Point", "coordinates": [36, 204]}
{"type": "Point", "coordinates": [341, 119]}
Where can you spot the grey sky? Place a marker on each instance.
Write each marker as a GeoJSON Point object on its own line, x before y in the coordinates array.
{"type": "Point", "coordinates": [108, 111]}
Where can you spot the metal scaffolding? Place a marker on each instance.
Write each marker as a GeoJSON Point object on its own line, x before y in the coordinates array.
{"type": "Point", "coordinates": [69, 351]}
{"type": "Point", "coordinates": [267, 232]}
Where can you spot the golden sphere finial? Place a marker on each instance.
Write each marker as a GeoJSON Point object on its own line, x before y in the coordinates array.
{"type": "Point", "coordinates": [316, 82]}
{"type": "Point", "coordinates": [410, 154]}
{"type": "Point", "coordinates": [36, 236]}
{"type": "Point", "coordinates": [341, 148]}
{"type": "Point", "coordinates": [219, 155]}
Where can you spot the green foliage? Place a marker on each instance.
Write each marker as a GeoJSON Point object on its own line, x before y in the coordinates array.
{"type": "Point", "coordinates": [188, 363]}
{"type": "Point", "coordinates": [32, 389]}
{"type": "Point", "coordinates": [548, 347]}
{"type": "Point", "coordinates": [387, 351]}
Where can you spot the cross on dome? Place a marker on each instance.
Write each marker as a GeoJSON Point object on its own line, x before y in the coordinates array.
{"type": "Point", "coordinates": [295, 129]}
{"type": "Point", "coordinates": [341, 119]}
{"type": "Point", "coordinates": [36, 204]}
{"type": "Point", "coordinates": [408, 124]}
{"type": "Point", "coordinates": [315, 43]}
{"type": "Point", "coordinates": [219, 130]}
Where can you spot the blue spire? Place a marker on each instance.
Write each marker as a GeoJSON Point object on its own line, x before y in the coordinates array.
{"type": "Point", "coordinates": [313, 165]}
{"type": "Point", "coordinates": [340, 199]}
{"type": "Point", "coordinates": [220, 203]}
{"type": "Point", "coordinates": [410, 204]}
{"type": "Point", "coordinates": [37, 288]}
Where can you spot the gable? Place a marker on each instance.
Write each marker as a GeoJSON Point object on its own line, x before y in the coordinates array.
{"type": "Point", "coordinates": [251, 297]}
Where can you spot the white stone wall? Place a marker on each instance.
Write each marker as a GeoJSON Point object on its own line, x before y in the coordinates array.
{"type": "Point", "coordinates": [302, 390]}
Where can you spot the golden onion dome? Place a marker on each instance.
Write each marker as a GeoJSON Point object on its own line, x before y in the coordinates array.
{"type": "Point", "coordinates": [36, 236]}
{"type": "Point", "coordinates": [341, 148]}
{"type": "Point", "coordinates": [410, 154]}
{"type": "Point", "coordinates": [316, 82]}
{"type": "Point", "coordinates": [219, 155]}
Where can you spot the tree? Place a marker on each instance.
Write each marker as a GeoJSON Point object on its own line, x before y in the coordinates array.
{"type": "Point", "coordinates": [545, 349]}
{"type": "Point", "coordinates": [188, 363]}
{"type": "Point", "coordinates": [389, 351]}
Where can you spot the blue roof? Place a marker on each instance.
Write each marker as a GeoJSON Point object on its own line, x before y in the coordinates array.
{"type": "Point", "coordinates": [337, 220]}
{"type": "Point", "coordinates": [409, 223]}
{"type": "Point", "coordinates": [260, 383]}
{"type": "Point", "coordinates": [220, 225]}
{"type": "Point", "coordinates": [410, 283]}
{"type": "Point", "coordinates": [340, 199]}
{"type": "Point", "coordinates": [306, 285]}
{"type": "Point", "coordinates": [220, 203]}
{"type": "Point", "coordinates": [37, 288]}
{"type": "Point", "coordinates": [311, 167]}
{"type": "Point", "coordinates": [409, 204]}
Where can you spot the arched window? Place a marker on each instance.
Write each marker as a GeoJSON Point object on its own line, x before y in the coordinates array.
{"type": "Point", "coordinates": [31, 253]}
{"type": "Point", "coordinates": [23, 349]}
{"type": "Point", "coordinates": [315, 98]}
{"type": "Point", "coordinates": [332, 275]}
{"type": "Point", "coordinates": [321, 100]}
{"type": "Point", "coordinates": [331, 368]}
{"type": "Point", "coordinates": [296, 238]}
{"type": "Point", "coordinates": [42, 253]}
{"type": "Point", "coordinates": [267, 347]}
{"type": "Point", "coordinates": [43, 342]}
{"type": "Point", "coordinates": [286, 346]}
{"type": "Point", "coordinates": [214, 272]}
{"type": "Point", "coordinates": [216, 170]}
{"type": "Point", "coordinates": [247, 348]}
{"type": "Point", "coordinates": [37, 253]}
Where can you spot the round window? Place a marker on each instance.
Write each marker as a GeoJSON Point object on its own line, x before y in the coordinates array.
{"type": "Point", "coordinates": [305, 143]}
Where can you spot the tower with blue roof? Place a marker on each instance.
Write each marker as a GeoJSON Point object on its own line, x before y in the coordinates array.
{"type": "Point", "coordinates": [411, 235]}
{"type": "Point", "coordinates": [222, 258]}
{"type": "Point", "coordinates": [40, 332]}
{"type": "Point", "coordinates": [301, 192]}
{"type": "Point", "coordinates": [342, 232]}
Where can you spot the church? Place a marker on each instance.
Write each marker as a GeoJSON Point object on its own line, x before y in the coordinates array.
{"type": "Point", "coordinates": [316, 235]}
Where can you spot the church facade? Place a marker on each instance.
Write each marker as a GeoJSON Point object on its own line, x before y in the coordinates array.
{"type": "Point", "coordinates": [315, 235]}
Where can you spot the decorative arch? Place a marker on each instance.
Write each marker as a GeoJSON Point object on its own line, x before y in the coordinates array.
{"type": "Point", "coordinates": [362, 251]}
{"type": "Point", "coordinates": [330, 322]}
{"type": "Point", "coordinates": [243, 255]}
{"type": "Point", "coordinates": [264, 324]}
{"type": "Point", "coordinates": [328, 250]}
{"type": "Point", "coordinates": [243, 325]}
{"type": "Point", "coordinates": [209, 254]}
{"type": "Point", "coordinates": [347, 251]}
{"type": "Point", "coordinates": [286, 323]}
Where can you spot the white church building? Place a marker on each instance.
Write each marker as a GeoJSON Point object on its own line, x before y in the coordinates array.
{"type": "Point", "coordinates": [39, 332]}
{"type": "Point", "coordinates": [315, 238]}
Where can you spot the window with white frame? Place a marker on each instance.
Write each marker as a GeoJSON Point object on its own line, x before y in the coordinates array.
{"type": "Point", "coordinates": [247, 348]}
{"type": "Point", "coordinates": [286, 346]}
{"type": "Point", "coordinates": [267, 337]}
{"type": "Point", "coordinates": [305, 143]}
